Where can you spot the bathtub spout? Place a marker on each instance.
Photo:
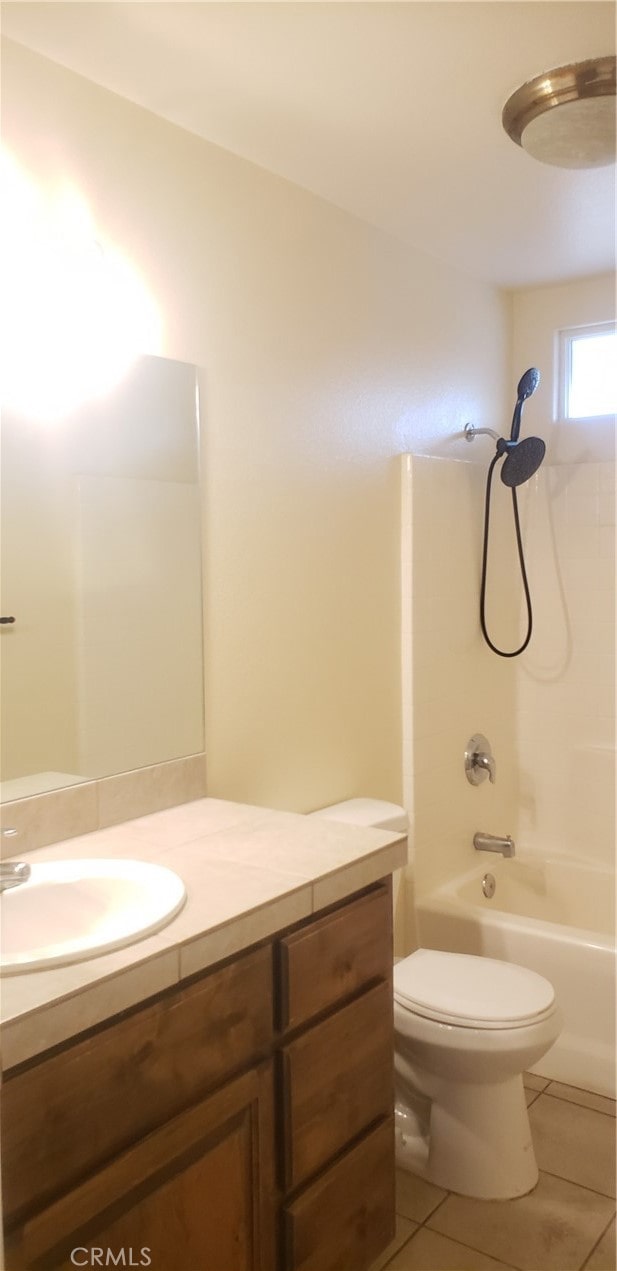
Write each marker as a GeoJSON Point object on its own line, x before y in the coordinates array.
{"type": "Point", "coordinates": [494, 843]}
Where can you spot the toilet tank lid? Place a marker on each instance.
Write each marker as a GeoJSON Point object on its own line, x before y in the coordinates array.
{"type": "Point", "coordinates": [467, 989]}
{"type": "Point", "coordinates": [373, 812]}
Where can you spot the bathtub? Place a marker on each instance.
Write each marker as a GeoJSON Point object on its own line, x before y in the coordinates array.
{"type": "Point", "coordinates": [556, 917]}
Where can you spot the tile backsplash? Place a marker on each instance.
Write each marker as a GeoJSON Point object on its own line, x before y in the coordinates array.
{"type": "Point", "coordinates": [81, 809]}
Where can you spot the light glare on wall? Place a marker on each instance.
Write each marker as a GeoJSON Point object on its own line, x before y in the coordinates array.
{"type": "Point", "coordinates": [75, 313]}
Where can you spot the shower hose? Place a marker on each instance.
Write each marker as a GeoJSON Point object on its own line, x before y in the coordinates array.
{"type": "Point", "coordinates": [519, 543]}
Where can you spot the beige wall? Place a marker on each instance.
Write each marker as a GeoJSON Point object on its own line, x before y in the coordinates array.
{"type": "Point", "coordinates": [327, 349]}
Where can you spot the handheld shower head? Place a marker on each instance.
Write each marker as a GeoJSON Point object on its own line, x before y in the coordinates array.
{"type": "Point", "coordinates": [527, 385]}
{"type": "Point", "coordinates": [520, 460]}
{"type": "Point", "coordinates": [523, 458]}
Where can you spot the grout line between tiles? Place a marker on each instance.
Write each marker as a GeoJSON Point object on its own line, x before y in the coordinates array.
{"type": "Point", "coordinates": [512, 1266]}
{"type": "Point", "coordinates": [455, 1239]}
{"type": "Point", "coordinates": [437, 1206]}
{"type": "Point", "coordinates": [575, 1104]}
{"type": "Point", "coordinates": [585, 1186]}
{"type": "Point", "coordinates": [404, 1244]}
{"type": "Point", "coordinates": [598, 1241]}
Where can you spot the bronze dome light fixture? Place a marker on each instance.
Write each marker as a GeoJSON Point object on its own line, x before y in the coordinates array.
{"type": "Point", "coordinates": [566, 117]}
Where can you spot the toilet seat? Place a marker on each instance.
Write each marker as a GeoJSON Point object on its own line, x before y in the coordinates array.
{"type": "Point", "coordinates": [470, 991]}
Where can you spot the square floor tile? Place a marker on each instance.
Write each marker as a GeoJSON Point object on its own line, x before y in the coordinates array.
{"type": "Point", "coordinates": [415, 1198]}
{"type": "Point", "coordinates": [574, 1142]}
{"type": "Point", "coordinates": [404, 1229]}
{"type": "Point", "coordinates": [586, 1098]}
{"type": "Point", "coordinates": [428, 1251]}
{"type": "Point", "coordinates": [554, 1228]}
{"type": "Point", "coordinates": [604, 1256]}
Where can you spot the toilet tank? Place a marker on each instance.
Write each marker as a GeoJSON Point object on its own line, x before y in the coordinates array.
{"type": "Point", "coordinates": [370, 812]}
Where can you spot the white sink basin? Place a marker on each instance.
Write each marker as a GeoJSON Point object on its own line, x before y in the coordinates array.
{"type": "Point", "coordinates": [68, 911]}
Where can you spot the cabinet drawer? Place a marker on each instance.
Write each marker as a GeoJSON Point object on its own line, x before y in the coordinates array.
{"type": "Point", "coordinates": [65, 1115]}
{"type": "Point", "coordinates": [346, 1219]}
{"type": "Point", "coordinates": [337, 1080]}
{"type": "Point", "coordinates": [328, 960]}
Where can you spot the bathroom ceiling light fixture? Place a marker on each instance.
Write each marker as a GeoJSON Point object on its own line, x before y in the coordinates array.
{"type": "Point", "coordinates": [566, 117]}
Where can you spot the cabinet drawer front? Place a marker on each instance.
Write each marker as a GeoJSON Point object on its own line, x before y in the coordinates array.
{"type": "Point", "coordinates": [346, 1219]}
{"type": "Point", "coordinates": [62, 1117]}
{"type": "Point", "coordinates": [351, 947]}
{"type": "Point", "coordinates": [337, 1080]}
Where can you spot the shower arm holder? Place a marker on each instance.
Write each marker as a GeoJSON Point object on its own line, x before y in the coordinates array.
{"type": "Point", "coordinates": [471, 431]}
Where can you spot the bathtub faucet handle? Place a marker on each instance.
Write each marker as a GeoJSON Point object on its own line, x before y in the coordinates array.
{"type": "Point", "coordinates": [479, 761]}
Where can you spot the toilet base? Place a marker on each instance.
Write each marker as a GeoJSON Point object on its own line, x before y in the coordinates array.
{"type": "Point", "coordinates": [411, 1140]}
{"type": "Point", "coordinates": [478, 1141]}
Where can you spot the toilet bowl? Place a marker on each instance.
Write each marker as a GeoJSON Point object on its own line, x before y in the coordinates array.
{"type": "Point", "coordinates": [466, 1028]}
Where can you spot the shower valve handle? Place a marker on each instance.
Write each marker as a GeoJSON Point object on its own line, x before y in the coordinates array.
{"type": "Point", "coordinates": [486, 762]}
{"type": "Point", "coordinates": [479, 761]}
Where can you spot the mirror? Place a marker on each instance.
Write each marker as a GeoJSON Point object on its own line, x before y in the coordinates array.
{"type": "Point", "coordinates": [102, 668]}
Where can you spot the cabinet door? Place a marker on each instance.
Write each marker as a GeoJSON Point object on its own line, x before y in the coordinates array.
{"type": "Point", "coordinates": [195, 1195]}
{"type": "Point", "coordinates": [65, 1116]}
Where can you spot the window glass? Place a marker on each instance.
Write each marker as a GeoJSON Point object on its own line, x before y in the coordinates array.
{"type": "Point", "coordinates": [591, 373]}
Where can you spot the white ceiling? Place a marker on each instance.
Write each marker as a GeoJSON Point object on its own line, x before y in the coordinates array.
{"type": "Point", "coordinates": [389, 110]}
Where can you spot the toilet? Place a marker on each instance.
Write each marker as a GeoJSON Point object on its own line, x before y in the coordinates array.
{"type": "Point", "coordinates": [466, 1029]}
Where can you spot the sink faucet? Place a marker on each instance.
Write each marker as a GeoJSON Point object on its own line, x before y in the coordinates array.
{"type": "Point", "coordinates": [494, 843]}
{"type": "Point", "coordinates": [12, 873]}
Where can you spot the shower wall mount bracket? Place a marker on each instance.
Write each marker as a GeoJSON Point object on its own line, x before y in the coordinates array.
{"type": "Point", "coordinates": [471, 431]}
{"type": "Point", "coordinates": [479, 761]}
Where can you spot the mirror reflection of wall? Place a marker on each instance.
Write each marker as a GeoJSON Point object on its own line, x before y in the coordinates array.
{"type": "Point", "coordinates": [102, 670]}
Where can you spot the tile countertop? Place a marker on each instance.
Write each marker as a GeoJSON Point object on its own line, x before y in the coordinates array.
{"type": "Point", "coordinates": [248, 872]}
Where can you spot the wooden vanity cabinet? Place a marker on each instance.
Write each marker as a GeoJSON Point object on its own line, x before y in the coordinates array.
{"type": "Point", "coordinates": [241, 1122]}
{"type": "Point", "coordinates": [196, 1193]}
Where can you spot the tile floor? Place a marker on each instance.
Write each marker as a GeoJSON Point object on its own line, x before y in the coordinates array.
{"type": "Point", "coordinates": [566, 1224]}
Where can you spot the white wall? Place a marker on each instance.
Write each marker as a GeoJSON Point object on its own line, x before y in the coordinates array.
{"type": "Point", "coordinates": [327, 349]}
{"type": "Point", "coordinates": [566, 681]}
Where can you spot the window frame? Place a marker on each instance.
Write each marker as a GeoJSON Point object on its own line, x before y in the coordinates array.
{"type": "Point", "coordinates": [565, 340]}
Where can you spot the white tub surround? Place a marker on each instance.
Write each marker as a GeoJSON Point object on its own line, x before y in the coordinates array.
{"type": "Point", "coordinates": [248, 872]}
{"type": "Point", "coordinates": [555, 917]}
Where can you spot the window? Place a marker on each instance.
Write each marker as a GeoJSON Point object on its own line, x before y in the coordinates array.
{"type": "Point", "coordinates": [588, 372]}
